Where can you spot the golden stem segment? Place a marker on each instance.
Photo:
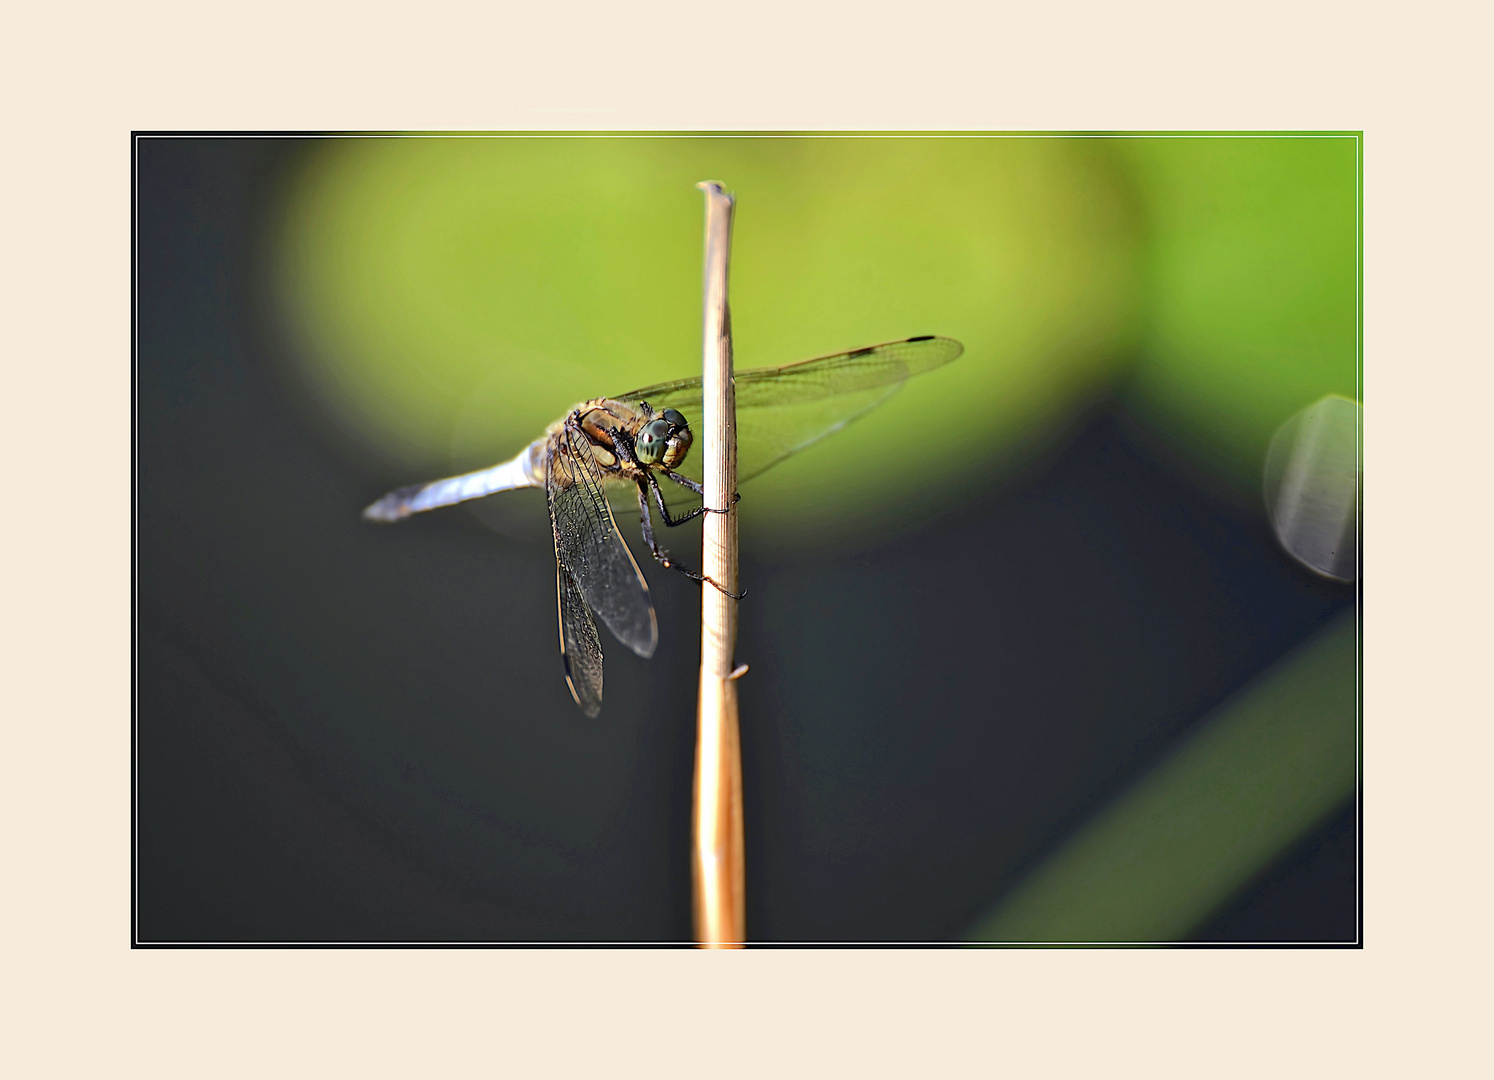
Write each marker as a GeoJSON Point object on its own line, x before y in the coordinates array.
{"type": "Point", "coordinates": [718, 863]}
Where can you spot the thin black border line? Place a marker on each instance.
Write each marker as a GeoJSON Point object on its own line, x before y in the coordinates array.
{"type": "Point", "coordinates": [750, 943]}
{"type": "Point", "coordinates": [134, 539]}
{"type": "Point", "coordinates": [136, 942]}
{"type": "Point", "coordinates": [551, 133]}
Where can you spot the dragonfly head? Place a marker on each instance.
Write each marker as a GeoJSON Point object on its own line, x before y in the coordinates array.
{"type": "Point", "coordinates": [664, 440]}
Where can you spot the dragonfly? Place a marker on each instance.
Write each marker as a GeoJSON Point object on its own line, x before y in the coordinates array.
{"type": "Point", "coordinates": [609, 446]}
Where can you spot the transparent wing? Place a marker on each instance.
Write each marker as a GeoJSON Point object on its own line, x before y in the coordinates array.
{"type": "Point", "coordinates": [580, 648]}
{"type": "Point", "coordinates": [591, 550]}
{"type": "Point", "coordinates": [782, 410]}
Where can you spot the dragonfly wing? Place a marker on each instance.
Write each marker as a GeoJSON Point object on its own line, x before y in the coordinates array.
{"type": "Point", "coordinates": [782, 410]}
{"type": "Point", "coordinates": [590, 549]}
{"type": "Point", "coordinates": [580, 647]}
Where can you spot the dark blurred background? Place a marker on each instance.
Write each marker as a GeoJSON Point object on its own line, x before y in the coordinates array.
{"type": "Point", "coordinates": [347, 733]}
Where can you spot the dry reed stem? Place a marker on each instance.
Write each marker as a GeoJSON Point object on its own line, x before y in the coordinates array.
{"type": "Point", "coordinates": [718, 865]}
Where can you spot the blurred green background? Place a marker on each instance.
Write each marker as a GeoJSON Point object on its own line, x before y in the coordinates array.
{"type": "Point", "coordinates": [458, 294]}
{"type": "Point", "coordinates": [427, 305]}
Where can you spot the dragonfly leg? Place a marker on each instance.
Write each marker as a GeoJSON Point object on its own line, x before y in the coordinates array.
{"type": "Point", "coordinates": [686, 482]}
{"type": "Point", "coordinates": [622, 443]}
{"type": "Point", "coordinates": [624, 447]}
{"type": "Point", "coordinates": [663, 557]}
{"type": "Point", "coordinates": [664, 510]}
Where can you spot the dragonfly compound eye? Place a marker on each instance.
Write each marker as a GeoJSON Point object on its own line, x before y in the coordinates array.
{"type": "Point", "coordinates": [679, 446]}
{"type": "Point", "coordinates": [675, 418]}
{"type": "Point", "coordinates": [652, 442]}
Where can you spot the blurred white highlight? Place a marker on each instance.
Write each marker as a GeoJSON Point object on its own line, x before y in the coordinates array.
{"type": "Point", "coordinates": [1312, 486]}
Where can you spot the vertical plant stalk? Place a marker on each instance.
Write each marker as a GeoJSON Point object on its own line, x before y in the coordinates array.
{"type": "Point", "coordinates": [718, 869]}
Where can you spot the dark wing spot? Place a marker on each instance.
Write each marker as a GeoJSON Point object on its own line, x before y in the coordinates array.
{"type": "Point", "coordinates": [858, 353]}
{"type": "Point", "coordinates": [924, 337]}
